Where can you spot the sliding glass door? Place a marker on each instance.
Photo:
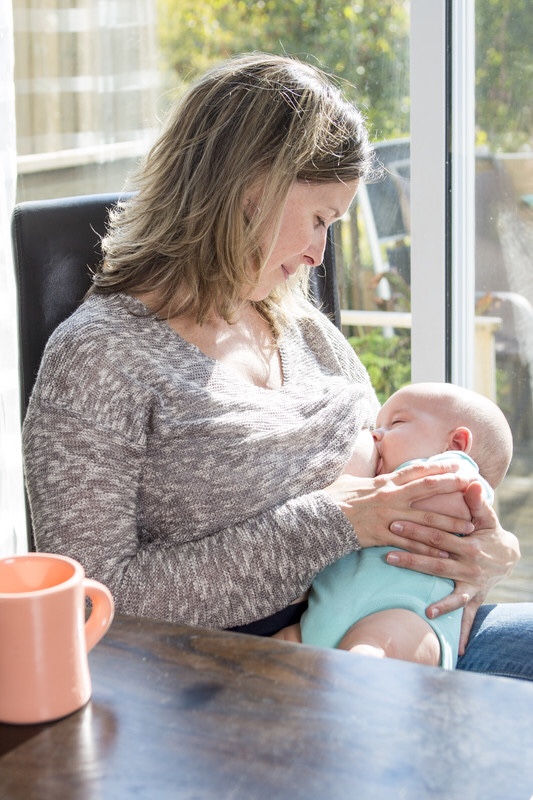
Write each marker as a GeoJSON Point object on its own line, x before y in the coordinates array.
{"type": "Point", "coordinates": [433, 261]}
{"type": "Point", "coordinates": [504, 247]}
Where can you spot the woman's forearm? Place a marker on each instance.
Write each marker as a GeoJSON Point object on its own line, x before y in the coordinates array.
{"type": "Point", "coordinates": [84, 492]}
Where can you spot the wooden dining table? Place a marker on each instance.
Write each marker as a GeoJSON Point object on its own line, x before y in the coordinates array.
{"type": "Point", "coordinates": [185, 712]}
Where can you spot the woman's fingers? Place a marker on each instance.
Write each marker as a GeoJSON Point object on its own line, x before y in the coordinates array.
{"type": "Point", "coordinates": [423, 495]}
{"type": "Point", "coordinates": [423, 471]}
{"type": "Point", "coordinates": [421, 549]}
{"type": "Point", "coordinates": [469, 614]}
{"type": "Point", "coordinates": [469, 568]}
{"type": "Point", "coordinates": [372, 505]}
{"type": "Point", "coordinates": [463, 596]}
{"type": "Point", "coordinates": [479, 509]}
{"type": "Point", "coordinates": [433, 528]}
{"type": "Point", "coordinates": [436, 535]}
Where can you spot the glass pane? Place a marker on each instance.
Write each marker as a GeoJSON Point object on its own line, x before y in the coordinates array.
{"type": "Point", "coordinates": [374, 270]}
{"type": "Point", "coordinates": [504, 243]}
{"type": "Point", "coordinates": [374, 256]}
{"type": "Point", "coordinates": [87, 83]}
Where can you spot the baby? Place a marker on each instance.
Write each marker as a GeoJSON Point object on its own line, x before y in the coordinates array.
{"type": "Point", "coordinates": [365, 605]}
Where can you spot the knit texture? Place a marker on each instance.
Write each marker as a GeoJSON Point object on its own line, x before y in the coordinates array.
{"type": "Point", "coordinates": [193, 495]}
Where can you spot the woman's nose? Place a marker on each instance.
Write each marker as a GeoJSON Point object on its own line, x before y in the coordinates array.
{"type": "Point", "coordinates": [314, 254]}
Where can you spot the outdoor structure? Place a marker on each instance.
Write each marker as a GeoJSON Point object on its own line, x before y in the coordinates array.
{"type": "Point", "coordinates": [86, 83]}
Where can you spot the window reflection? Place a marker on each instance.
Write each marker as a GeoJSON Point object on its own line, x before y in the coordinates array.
{"type": "Point", "coordinates": [504, 243]}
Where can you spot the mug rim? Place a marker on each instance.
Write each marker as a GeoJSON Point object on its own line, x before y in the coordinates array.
{"type": "Point", "coordinates": [78, 573]}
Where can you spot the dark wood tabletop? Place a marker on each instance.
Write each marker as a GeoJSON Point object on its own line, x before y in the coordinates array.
{"type": "Point", "coordinates": [180, 712]}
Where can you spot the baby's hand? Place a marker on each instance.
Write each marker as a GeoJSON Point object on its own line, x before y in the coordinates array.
{"type": "Point", "coordinates": [364, 459]}
{"type": "Point", "coordinates": [453, 504]}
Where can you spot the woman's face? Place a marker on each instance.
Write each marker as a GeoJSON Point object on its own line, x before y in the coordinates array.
{"type": "Point", "coordinates": [309, 210]}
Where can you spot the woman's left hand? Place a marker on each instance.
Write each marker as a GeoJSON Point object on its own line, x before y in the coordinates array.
{"type": "Point", "coordinates": [475, 563]}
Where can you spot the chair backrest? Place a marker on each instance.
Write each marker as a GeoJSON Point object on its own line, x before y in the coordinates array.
{"type": "Point", "coordinates": [56, 244]}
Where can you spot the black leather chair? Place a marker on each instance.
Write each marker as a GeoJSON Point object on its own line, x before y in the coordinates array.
{"type": "Point", "coordinates": [56, 245]}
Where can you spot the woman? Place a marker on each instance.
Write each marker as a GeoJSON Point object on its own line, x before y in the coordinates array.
{"type": "Point", "coordinates": [190, 422]}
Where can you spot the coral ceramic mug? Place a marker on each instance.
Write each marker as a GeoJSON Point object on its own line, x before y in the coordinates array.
{"type": "Point", "coordinates": [44, 637]}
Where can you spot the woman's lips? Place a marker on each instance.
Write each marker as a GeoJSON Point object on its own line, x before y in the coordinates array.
{"type": "Point", "coordinates": [289, 271]}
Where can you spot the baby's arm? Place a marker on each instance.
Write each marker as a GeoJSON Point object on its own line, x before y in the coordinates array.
{"type": "Point", "coordinates": [453, 504]}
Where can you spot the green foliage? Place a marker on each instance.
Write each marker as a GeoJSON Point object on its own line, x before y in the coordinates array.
{"type": "Point", "coordinates": [364, 43]}
{"type": "Point", "coordinates": [387, 359]}
{"type": "Point", "coordinates": [504, 71]}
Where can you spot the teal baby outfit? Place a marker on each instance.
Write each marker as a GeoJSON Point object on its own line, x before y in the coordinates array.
{"type": "Point", "coordinates": [362, 583]}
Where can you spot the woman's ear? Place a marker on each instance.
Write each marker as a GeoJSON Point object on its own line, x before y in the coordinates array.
{"type": "Point", "coordinates": [460, 439]}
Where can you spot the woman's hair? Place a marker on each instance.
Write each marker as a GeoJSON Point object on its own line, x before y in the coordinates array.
{"type": "Point", "coordinates": [256, 122]}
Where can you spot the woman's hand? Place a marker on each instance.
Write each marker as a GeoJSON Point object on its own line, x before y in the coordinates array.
{"type": "Point", "coordinates": [372, 505]}
{"type": "Point", "coordinates": [475, 563]}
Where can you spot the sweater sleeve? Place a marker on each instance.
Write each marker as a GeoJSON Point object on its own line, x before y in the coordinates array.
{"type": "Point", "coordinates": [83, 483]}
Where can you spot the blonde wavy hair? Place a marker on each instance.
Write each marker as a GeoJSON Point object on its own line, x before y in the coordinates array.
{"type": "Point", "coordinates": [186, 234]}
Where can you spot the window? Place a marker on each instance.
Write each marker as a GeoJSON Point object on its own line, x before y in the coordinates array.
{"type": "Point", "coordinates": [503, 226]}
{"type": "Point", "coordinates": [87, 85]}
{"type": "Point", "coordinates": [436, 253]}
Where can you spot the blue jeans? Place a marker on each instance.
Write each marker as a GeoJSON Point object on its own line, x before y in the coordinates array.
{"type": "Point", "coordinates": [501, 641]}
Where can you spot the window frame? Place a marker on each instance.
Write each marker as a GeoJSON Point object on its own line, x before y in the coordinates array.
{"type": "Point", "coordinates": [442, 191]}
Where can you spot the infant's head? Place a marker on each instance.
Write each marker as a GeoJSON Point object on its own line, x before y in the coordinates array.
{"type": "Point", "coordinates": [423, 419]}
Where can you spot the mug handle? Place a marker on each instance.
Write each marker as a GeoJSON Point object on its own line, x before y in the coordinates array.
{"type": "Point", "coordinates": [102, 612]}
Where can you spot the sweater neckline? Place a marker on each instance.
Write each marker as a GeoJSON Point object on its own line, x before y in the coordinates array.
{"type": "Point", "coordinates": [136, 307]}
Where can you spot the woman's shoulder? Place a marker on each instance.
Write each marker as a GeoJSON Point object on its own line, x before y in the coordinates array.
{"type": "Point", "coordinates": [91, 365]}
{"type": "Point", "coordinates": [98, 315]}
{"type": "Point", "coordinates": [317, 335]}
{"type": "Point", "coordinates": [106, 330]}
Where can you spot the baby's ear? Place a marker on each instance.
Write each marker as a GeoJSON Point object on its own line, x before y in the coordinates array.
{"type": "Point", "coordinates": [460, 439]}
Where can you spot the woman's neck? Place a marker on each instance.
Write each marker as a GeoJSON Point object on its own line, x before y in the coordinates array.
{"type": "Point", "coordinates": [247, 344]}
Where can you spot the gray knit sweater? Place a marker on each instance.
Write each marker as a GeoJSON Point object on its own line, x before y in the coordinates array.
{"type": "Point", "coordinates": [194, 496]}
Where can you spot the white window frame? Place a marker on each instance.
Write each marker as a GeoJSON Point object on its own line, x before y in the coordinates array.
{"type": "Point", "coordinates": [442, 196]}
